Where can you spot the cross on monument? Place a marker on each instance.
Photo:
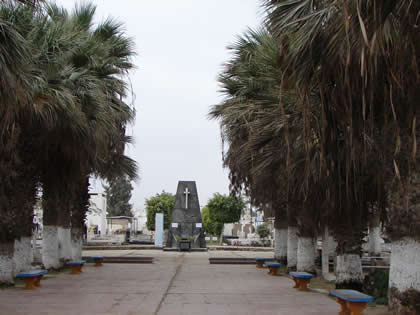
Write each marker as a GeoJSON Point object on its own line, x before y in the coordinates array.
{"type": "Point", "coordinates": [186, 193]}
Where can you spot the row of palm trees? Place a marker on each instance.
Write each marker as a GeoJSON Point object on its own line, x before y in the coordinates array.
{"type": "Point", "coordinates": [320, 119]}
{"type": "Point", "coordinates": [62, 119]}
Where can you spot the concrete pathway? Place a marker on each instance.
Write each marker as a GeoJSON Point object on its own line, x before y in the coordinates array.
{"type": "Point", "coordinates": [176, 283]}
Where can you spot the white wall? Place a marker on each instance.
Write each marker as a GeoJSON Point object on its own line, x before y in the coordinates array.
{"type": "Point", "coordinates": [140, 215]}
{"type": "Point", "coordinates": [97, 212]}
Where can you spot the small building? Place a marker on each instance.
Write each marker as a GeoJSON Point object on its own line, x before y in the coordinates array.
{"type": "Point", "coordinates": [121, 224]}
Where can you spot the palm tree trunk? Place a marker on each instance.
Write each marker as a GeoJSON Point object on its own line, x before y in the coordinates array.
{"type": "Point", "coordinates": [64, 233]}
{"type": "Point", "coordinates": [64, 243]}
{"type": "Point", "coordinates": [280, 236]}
{"type": "Point", "coordinates": [50, 257]}
{"type": "Point", "coordinates": [79, 207]}
{"type": "Point", "coordinates": [23, 254]}
{"type": "Point", "coordinates": [6, 262]}
{"type": "Point", "coordinates": [57, 246]}
{"type": "Point", "coordinates": [326, 248]}
{"type": "Point", "coordinates": [18, 196]}
{"type": "Point", "coordinates": [292, 239]}
{"type": "Point", "coordinates": [76, 243]}
{"type": "Point", "coordinates": [50, 237]}
{"type": "Point", "coordinates": [404, 277]}
{"type": "Point", "coordinates": [349, 266]}
{"type": "Point", "coordinates": [306, 254]}
{"type": "Point", "coordinates": [403, 228]}
{"type": "Point", "coordinates": [280, 241]}
{"type": "Point", "coordinates": [292, 246]}
{"type": "Point", "coordinates": [349, 272]}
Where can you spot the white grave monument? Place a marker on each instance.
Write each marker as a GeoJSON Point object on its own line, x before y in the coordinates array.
{"type": "Point", "coordinates": [159, 230]}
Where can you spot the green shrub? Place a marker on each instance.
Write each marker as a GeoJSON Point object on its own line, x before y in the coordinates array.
{"type": "Point", "coordinates": [263, 231]}
{"type": "Point", "coordinates": [376, 284]}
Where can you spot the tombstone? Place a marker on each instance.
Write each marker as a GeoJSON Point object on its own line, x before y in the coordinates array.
{"type": "Point", "coordinates": [159, 230]}
{"type": "Point", "coordinates": [186, 230]}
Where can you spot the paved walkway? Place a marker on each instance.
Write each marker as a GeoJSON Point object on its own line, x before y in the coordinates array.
{"type": "Point", "coordinates": [176, 283]}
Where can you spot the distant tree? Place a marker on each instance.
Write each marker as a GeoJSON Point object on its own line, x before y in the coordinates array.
{"type": "Point", "coordinates": [161, 203]}
{"type": "Point", "coordinates": [118, 195]}
{"type": "Point", "coordinates": [211, 227]}
{"type": "Point", "coordinates": [224, 209]}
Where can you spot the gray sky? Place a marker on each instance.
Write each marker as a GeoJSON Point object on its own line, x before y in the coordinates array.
{"type": "Point", "coordinates": [181, 46]}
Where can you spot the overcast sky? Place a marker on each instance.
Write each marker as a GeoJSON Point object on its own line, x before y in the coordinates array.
{"type": "Point", "coordinates": [180, 47]}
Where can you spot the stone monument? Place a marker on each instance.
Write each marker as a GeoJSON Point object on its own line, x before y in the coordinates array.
{"type": "Point", "coordinates": [186, 230]}
{"type": "Point", "coordinates": [159, 230]}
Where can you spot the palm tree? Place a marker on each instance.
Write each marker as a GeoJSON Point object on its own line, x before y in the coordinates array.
{"type": "Point", "coordinates": [24, 114]}
{"type": "Point", "coordinates": [18, 176]}
{"type": "Point", "coordinates": [58, 97]}
{"type": "Point", "coordinates": [259, 120]}
{"type": "Point", "coordinates": [291, 20]}
{"type": "Point", "coordinates": [364, 57]}
{"type": "Point", "coordinates": [247, 85]}
{"type": "Point", "coordinates": [97, 65]}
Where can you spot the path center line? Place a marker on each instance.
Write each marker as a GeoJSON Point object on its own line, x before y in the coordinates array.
{"type": "Point", "coordinates": [178, 268]}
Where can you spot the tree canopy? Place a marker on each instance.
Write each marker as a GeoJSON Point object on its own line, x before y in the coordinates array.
{"type": "Point", "coordinates": [223, 209]}
{"type": "Point", "coordinates": [210, 226]}
{"type": "Point", "coordinates": [161, 203]}
{"type": "Point", "coordinates": [118, 195]}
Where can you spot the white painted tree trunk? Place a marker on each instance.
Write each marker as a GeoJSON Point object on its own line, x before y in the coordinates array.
{"type": "Point", "coordinates": [64, 243]}
{"type": "Point", "coordinates": [22, 255]}
{"type": "Point", "coordinates": [280, 243]}
{"type": "Point", "coordinates": [332, 246]}
{"type": "Point", "coordinates": [404, 277]}
{"type": "Point", "coordinates": [306, 254]}
{"type": "Point", "coordinates": [76, 243]}
{"type": "Point", "coordinates": [375, 241]}
{"type": "Point", "coordinates": [292, 245]}
{"type": "Point", "coordinates": [349, 271]}
{"type": "Point", "coordinates": [6, 262]}
{"type": "Point", "coordinates": [325, 254]}
{"type": "Point", "coordinates": [50, 256]}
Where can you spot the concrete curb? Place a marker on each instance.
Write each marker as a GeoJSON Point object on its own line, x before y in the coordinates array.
{"type": "Point", "coordinates": [212, 248]}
